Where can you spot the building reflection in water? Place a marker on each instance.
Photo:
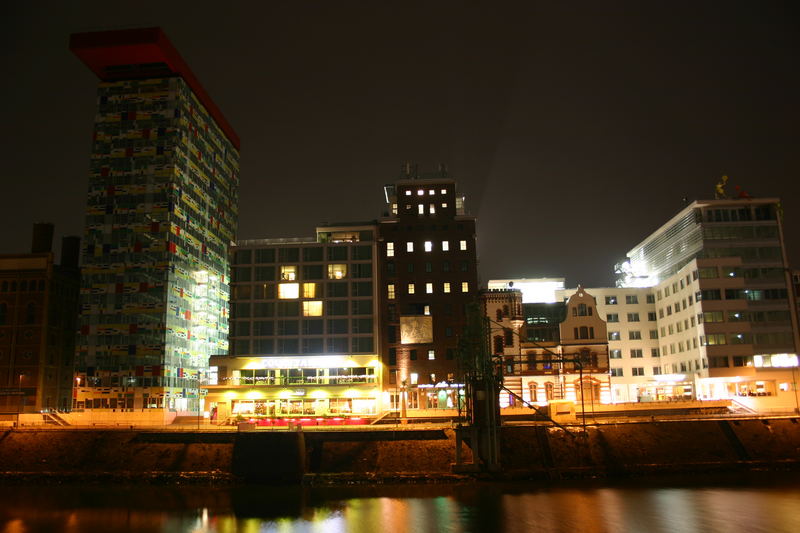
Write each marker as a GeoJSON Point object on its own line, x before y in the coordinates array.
{"type": "Point", "coordinates": [413, 508]}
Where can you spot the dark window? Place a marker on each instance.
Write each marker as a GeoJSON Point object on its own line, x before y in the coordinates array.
{"type": "Point", "coordinates": [392, 356]}
{"type": "Point", "coordinates": [243, 257]}
{"type": "Point", "coordinates": [338, 307]}
{"type": "Point", "coordinates": [313, 272]}
{"type": "Point", "coordinates": [337, 326]}
{"type": "Point", "coordinates": [337, 289]}
{"type": "Point", "coordinates": [361, 288]}
{"type": "Point", "coordinates": [412, 355]}
{"type": "Point", "coordinates": [264, 273]}
{"type": "Point", "coordinates": [312, 327]}
{"type": "Point", "coordinates": [289, 255]}
{"type": "Point", "coordinates": [362, 307]}
{"type": "Point", "coordinates": [362, 252]}
{"type": "Point", "coordinates": [337, 253]}
{"type": "Point", "coordinates": [312, 254]}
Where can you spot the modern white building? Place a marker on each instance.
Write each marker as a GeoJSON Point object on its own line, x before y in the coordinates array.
{"type": "Point", "coordinates": [726, 314]}
{"type": "Point", "coordinates": [704, 309]}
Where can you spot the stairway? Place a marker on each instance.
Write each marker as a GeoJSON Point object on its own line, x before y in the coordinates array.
{"type": "Point", "coordinates": [52, 418]}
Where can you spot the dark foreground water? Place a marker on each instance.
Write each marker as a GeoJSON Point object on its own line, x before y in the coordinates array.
{"type": "Point", "coordinates": [766, 503]}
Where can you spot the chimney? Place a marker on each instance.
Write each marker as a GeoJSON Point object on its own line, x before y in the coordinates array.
{"type": "Point", "coordinates": [70, 251]}
{"type": "Point", "coordinates": [42, 241]}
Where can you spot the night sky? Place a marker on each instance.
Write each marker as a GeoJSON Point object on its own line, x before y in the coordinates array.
{"type": "Point", "coordinates": [574, 132]}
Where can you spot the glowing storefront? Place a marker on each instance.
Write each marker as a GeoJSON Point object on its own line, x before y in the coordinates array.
{"type": "Point", "coordinates": [325, 385]}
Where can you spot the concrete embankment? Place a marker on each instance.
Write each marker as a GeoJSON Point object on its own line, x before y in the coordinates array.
{"type": "Point", "coordinates": [531, 451]}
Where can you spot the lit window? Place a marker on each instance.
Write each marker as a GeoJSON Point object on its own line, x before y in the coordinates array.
{"type": "Point", "coordinates": [337, 271]}
{"type": "Point", "coordinates": [431, 192]}
{"type": "Point", "coordinates": [389, 249]}
{"type": "Point", "coordinates": [462, 245]}
{"type": "Point", "coordinates": [409, 247]}
{"type": "Point", "coordinates": [309, 290]}
{"type": "Point", "coordinates": [289, 273]}
{"type": "Point", "coordinates": [431, 355]}
{"type": "Point", "coordinates": [420, 192]}
{"type": "Point", "coordinates": [410, 288]}
{"type": "Point", "coordinates": [394, 209]}
{"type": "Point", "coordinates": [445, 245]}
{"type": "Point", "coordinates": [421, 209]}
{"type": "Point", "coordinates": [426, 310]}
{"type": "Point", "coordinates": [445, 287]}
{"type": "Point", "coordinates": [432, 209]}
{"type": "Point", "coordinates": [408, 192]}
{"type": "Point", "coordinates": [390, 291]}
{"type": "Point", "coordinates": [464, 286]}
{"type": "Point", "coordinates": [444, 191]}
{"type": "Point", "coordinates": [444, 205]}
{"type": "Point", "coordinates": [429, 288]}
{"type": "Point", "coordinates": [312, 308]}
{"type": "Point", "coordinates": [287, 291]}
{"type": "Point", "coordinates": [414, 378]}
{"type": "Point", "coordinates": [428, 246]}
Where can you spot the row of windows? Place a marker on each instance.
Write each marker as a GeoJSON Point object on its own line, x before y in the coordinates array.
{"type": "Point", "coordinates": [683, 366]}
{"type": "Point", "coordinates": [678, 326]}
{"type": "Point", "coordinates": [286, 291]}
{"type": "Point", "coordinates": [30, 313]}
{"type": "Point", "coordinates": [635, 353]}
{"type": "Point", "coordinates": [411, 288]}
{"type": "Point", "coordinates": [391, 268]}
{"type": "Point", "coordinates": [429, 192]}
{"type": "Point", "coordinates": [742, 294]}
{"type": "Point", "coordinates": [779, 338]}
{"type": "Point", "coordinates": [427, 246]}
{"type": "Point", "coordinates": [743, 316]}
{"type": "Point", "coordinates": [24, 285]}
{"type": "Point", "coordinates": [309, 255]}
{"type": "Point", "coordinates": [713, 272]}
{"type": "Point", "coordinates": [292, 272]}
{"type": "Point", "coordinates": [331, 345]}
{"type": "Point", "coordinates": [431, 208]}
{"type": "Point", "coordinates": [629, 299]}
{"type": "Point", "coordinates": [632, 317]}
{"type": "Point", "coordinates": [413, 355]}
{"type": "Point", "coordinates": [269, 328]}
{"type": "Point", "coordinates": [633, 335]}
{"type": "Point", "coordinates": [680, 284]}
{"type": "Point", "coordinates": [300, 308]}
{"type": "Point", "coordinates": [680, 305]}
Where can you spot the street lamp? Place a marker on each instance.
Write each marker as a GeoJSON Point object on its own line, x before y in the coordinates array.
{"type": "Point", "coordinates": [21, 377]}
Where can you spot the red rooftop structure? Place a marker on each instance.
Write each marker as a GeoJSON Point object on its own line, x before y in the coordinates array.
{"type": "Point", "coordinates": [138, 54]}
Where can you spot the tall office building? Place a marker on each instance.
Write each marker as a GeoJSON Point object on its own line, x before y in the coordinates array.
{"type": "Point", "coordinates": [725, 312]}
{"type": "Point", "coordinates": [427, 275]}
{"type": "Point", "coordinates": [162, 211]}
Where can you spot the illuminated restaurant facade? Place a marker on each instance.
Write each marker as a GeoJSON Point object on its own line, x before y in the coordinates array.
{"type": "Point", "coordinates": [304, 338]}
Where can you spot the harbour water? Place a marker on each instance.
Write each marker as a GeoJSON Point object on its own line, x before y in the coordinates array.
{"type": "Point", "coordinates": [739, 504]}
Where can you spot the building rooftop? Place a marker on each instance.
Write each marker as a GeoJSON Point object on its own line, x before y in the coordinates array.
{"type": "Point", "coordinates": [138, 54]}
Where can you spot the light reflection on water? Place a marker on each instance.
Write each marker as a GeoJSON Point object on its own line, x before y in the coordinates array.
{"type": "Point", "coordinates": [744, 507]}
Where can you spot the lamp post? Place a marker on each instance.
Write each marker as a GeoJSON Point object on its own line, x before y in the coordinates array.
{"type": "Point", "coordinates": [403, 412]}
{"type": "Point", "coordinates": [22, 394]}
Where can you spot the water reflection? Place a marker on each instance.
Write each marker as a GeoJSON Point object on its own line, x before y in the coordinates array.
{"type": "Point", "coordinates": [742, 506]}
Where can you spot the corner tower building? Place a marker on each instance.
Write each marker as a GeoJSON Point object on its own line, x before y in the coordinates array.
{"type": "Point", "coordinates": [161, 213]}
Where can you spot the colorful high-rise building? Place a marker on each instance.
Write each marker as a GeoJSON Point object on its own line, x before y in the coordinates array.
{"type": "Point", "coordinates": [161, 213]}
